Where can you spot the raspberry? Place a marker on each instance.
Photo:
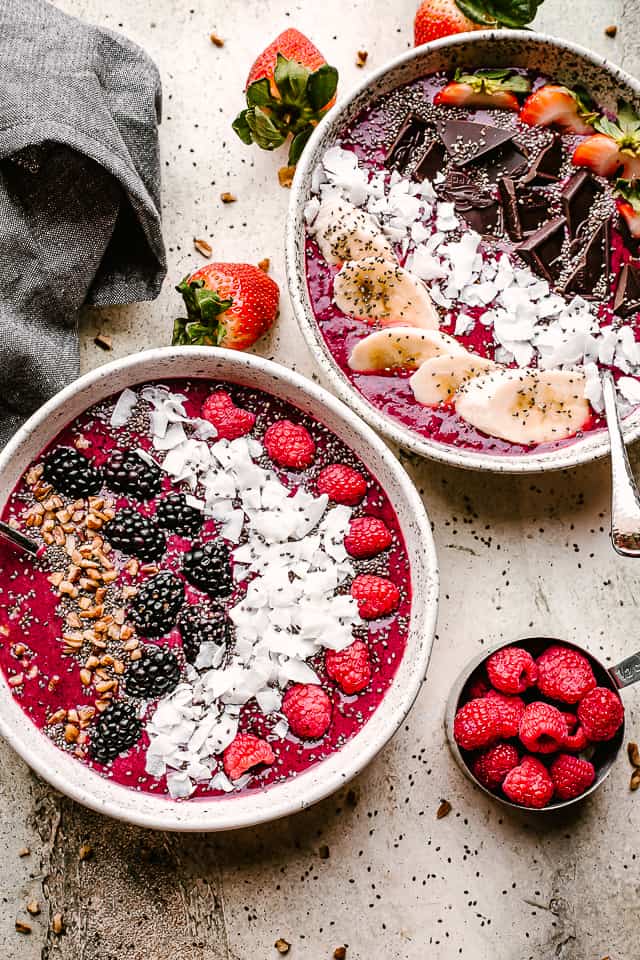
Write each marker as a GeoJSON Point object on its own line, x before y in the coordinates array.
{"type": "Point", "coordinates": [600, 713]}
{"type": "Point", "coordinates": [512, 670]}
{"type": "Point", "coordinates": [571, 720]}
{"type": "Point", "coordinates": [376, 596]}
{"type": "Point", "coordinates": [245, 752]}
{"type": "Point", "coordinates": [492, 766]}
{"type": "Point", "coordinates": [511, 710]}
{"type": "Point", "coordinates": [478, 688]}
{"type": "Point", "coordinates": [367, 536]}
{"type": "Point", "coordinates": [576, 741]}
{"type": "Point", "coordinates": [564, 674]}
{"type": "Point", "coordinates": [529, 784]}
{"type": "Point", "coordinates": [543, 729]}
{"type": "Point", "coordinates": [350, 668]}
{"type": "Point", "coordinates": [477, 724]}
{"type": "Point", "coordinates": [290, 445]}
{"type": "Point", "coordinates": [230, 421]}
{"type": "Point", "coordinates": [342, 484]}
{"type": "Point", "coordinates": [571, 776]}
{"type": "Point", "coordinates": [308, 710]}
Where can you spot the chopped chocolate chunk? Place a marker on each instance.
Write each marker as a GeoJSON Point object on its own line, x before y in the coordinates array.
{"type": "Point", "coordinates": [525, 211]}
{"type": "Point", "coordinates": [481, 211]}
{"type": "Point", "coordinates": [508, 161]}
{"type": "Point", "coordinates": [542, 249]}
{"type": "Point", "coordinates": [547, 164]}
{"type": "Point", "coordinates": [467, 142]}
{"type": "Point", "coordinates": [578, 196]}
{"type": "Point", "coordinates": [593, 265]}
{"type": "Point", "coordinates": [411, 137]}
{"type": "Point", "coordinates": [627, 298]}
{"type": "Point", "coordinates": [431, 161]}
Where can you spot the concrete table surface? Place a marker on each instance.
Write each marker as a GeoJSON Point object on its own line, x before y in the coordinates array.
{"type": "Point", "coordinates": [373, 869]}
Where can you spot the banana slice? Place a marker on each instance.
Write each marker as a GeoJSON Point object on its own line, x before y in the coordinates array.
{"type": "Point", "coordinates": [439, 378]}
{"type": "Point", "coordinates": [525, 406]}
{"type": "Point", "coordinates": [401, 347]}
{"type": "Point", "coordinates": [345, 233]}
{"type": "Point", "coordinates": [376, 289]}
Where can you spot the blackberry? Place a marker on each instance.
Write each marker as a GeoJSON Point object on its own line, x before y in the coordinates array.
{"type": "Point", "coordinates": [134, 534]}
{"type": "Point", "coordinates": [198, 626]}
{"type": "Point", "coordinates": [174, 513]}
{"type": "Point", "coordinates": [155, 607]}
{"type": "Point", "coordinates": [115, 730]}
{"type": "Point", "coordinates": [154, 675]}
{"type": "Point", "coordinates": [126, 472]}
{"type": "Point", "coordinates": [207, 567]}
{"type": "Point", "coordinates": [71, 474]}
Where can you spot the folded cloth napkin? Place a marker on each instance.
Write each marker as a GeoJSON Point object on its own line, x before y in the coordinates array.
{"type": "Point", "coordinates": [79, 192]}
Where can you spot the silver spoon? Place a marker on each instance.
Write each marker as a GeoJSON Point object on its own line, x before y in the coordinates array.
{"type": "Point", "coordinates": [625, 498]}
{"type": "Point", "coordinates": [18, 539]}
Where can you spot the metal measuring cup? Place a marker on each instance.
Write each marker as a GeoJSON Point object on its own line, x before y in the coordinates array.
{"type": "Point", "coordinates": [602, 755]}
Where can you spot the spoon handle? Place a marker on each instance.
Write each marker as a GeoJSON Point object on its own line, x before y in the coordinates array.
{"type": "Point", "coordinates": [625, 498]}
{"type": "Point", "coordinates": [18, 539]}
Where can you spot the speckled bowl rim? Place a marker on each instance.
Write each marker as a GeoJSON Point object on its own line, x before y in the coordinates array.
{"type": "Point", "coordinates": [593, 447]}
{"type": "Point", "coordinates": [77, 780]}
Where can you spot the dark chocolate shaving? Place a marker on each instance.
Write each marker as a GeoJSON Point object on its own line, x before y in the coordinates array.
{"type": "Point", "coordinates": [467, 142]}
{"type": "Point", "coordinates": [481, 211]}
{"type": "Point", "coordinates": [627, 298]}
{"type": "Point", "coordinates": [431, 161]}
{"type": "Point", "coordinates": [411, 137]}
{"type": "Point", "coordinates": [525, 210]}
{"type": "Point", "coordinates": [578, 196]}
{"type": "Point", "coordinates": [593, 265]}
{"type": "Point", "coordinates": [542, 250]}
{"type": "Point", "coordinates": [546, 167]}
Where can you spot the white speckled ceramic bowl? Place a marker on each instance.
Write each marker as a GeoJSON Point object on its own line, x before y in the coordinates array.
{"type": "Point", "coordinates": [565, 62]}
{"type": "Point", "coordinates": [79, 781]}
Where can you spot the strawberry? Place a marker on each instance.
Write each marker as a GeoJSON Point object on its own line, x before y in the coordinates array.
{"type": "Point", "coordinates": [555, 106]}
{"type": "Point", "coordinates": [376, 596]}
{"type": "Point", "coordinates": [350, 668]}
{"type": "Point", "coordinates": [484, 88]}
{"type": "Point", "coordinates": [615, 149]}
{"type": "Point", "coordinates": [230, 421]}
{"type": "Point", "coordinates": [367, 536]}
{"type": "Point", "coordinates": [290, 444]}
{"type": "Point", "coordinates": [228, 305]}
{"type": "Point", "coordinates": [440, 18]}
{"type": "Point", "coordinates": [289, 89]}
{"type": "Point", "coordinates": [245, 752]}
{"type": "Point", "coordinates": [628, 204]}
{"type": "Point", "coordinates": [342, 484]}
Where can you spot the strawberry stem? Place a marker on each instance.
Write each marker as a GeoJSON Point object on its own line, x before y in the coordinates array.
{"type": "Point", "coordinates": [204, 308]}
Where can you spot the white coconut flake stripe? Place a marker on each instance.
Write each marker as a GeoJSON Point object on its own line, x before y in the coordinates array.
{"type": "Point", "coordinates": [292, 560]}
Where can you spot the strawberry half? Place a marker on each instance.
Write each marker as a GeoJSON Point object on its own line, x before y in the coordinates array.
{"type": "Point", "coordinates": [289, 89]}
{"type": "Point", "coordinates": [441, 18]}
{"type": "Point", "coordinates": [628, 204]}
{"type": "Point", "coordinates": [555, 106]}
{"type": "Point", "coordinates": [615, 149]}
{"type": "Point", "coordinates": [484, 88]}
{"type": "Point", "coordinates": [228, 305]}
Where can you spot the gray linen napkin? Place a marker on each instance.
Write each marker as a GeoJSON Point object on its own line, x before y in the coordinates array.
{"type": "Point", "coordinates": [79, 192]}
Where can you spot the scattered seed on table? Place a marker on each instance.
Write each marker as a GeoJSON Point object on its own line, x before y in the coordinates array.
{"type": "Point", "coordinates": [57, 924]}
{"type": "Point", "coordinates": [611, 30]}
{"type": "Point", "coordinates": [22, 927]}
{"type": "Point", "coordinates": [203, 247]}
{"type": "Point", "coordinates": [24, 852]}
{"type": "Point", "coordinates": [339, 953]}
{"type": "Point", "coordinates": [443, 810]}
{"type": "Point", "coordinates": [282, 945]}
{"type": "Point", "coordinates": [361, 58]}
{"type": "Point", "coordinates": [264, 265]}
{"type": "Point", "coordinates": [285, 176]}
{"type": "Point", "coordinates": [33, 907]}
{"type": "Point", "coordinates": [228, 197]}
{"type": "Point", "coordinates": [104, 341]}
{"type": "Point", "coordinates": [216, 40]}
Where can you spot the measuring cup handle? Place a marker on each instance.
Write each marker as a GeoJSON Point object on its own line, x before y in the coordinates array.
{"type": "Point", "coordinates": [627, 671]}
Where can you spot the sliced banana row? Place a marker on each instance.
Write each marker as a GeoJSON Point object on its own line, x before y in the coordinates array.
{"type": "Point", "coordinates": [401, 347]}
{"type": "Point", "coordinates": [344, 232]}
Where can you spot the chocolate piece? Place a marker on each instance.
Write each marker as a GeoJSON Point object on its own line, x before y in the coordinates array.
{"type": "Point", "coordinates": [593, 265]}
{"type": "Point", "coordinates": [578, 196]}
{"type": "Point", "coordinates": [431, 161]}
{"type": "Point", "coordinates": [508, 161]}
{"type": "Point", "coordinates": [546, 166]}
{"type": "Point", "coordinates": [481, 211]}
{"type": "Point", "coordinates": [467, 142]}
{"type": "Point", "coordinates": [524, 210]}
{"type": "Point", "coordinates": [542, 249]}
{"type": "Point", "coordinates": [411, 137]}
{"type": "Point", "coordinates": [627, 298]}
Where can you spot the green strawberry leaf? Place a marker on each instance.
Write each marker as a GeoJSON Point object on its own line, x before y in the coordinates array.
{"type": "Point", "coordinates": [321, 87]}
{"type": "Point", "coordinates": [628, 119]}
{"type": "Point", "coordinates": [242, 128]}
{"type": "Point", "coordinates": [625, 130]}
{"type": "Point", "coordinates": [264, 129]}
{"type": "Point", "coordinates": [629, 190]}
{"type": "Point", "coordinates": [259, 94]}
{"type": "Point", "coordinates": [606, 126]}
{"type": "Point", "coordinates": [477, 10]}
{"type": "Point", "coordinates": [513, 13]}
{"type": "Point", "coordinates": [298, 144]}
{"type": "Point", "coordinates": [291, 80]}
{"type": "Point", "coordinates": [204, 309]}
{"type": "Point", "coordinates": [494, 81]}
